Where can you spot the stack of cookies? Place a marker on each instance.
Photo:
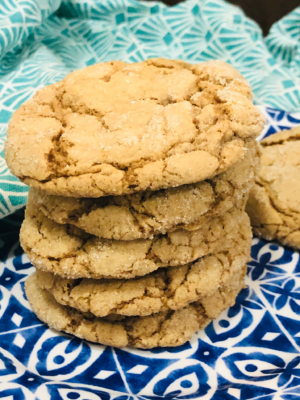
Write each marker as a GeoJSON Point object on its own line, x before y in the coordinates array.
{"type": "Point", "coordinates": [139, 176]}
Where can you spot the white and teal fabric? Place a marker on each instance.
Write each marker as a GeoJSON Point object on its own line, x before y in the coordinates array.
{"type": "Point", "coordinates": [43, 40]}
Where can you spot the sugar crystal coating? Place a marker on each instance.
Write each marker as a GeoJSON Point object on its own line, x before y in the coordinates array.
{"type": "Point", "coordinates": [117, 128]}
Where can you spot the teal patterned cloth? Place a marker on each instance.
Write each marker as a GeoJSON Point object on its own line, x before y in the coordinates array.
{"type": "Point", "coordinates": [43, 40]}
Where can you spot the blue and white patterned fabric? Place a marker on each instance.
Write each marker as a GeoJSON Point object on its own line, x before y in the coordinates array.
{"type": "Point", "coordinates": [43, 40]}
{"type": "Point", "coordinates": [252, 351]}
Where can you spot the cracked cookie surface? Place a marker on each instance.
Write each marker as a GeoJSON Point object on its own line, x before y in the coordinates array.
{"type": "Point", "coordinates": [169, 328]}
{"type": "Point", "coordinates": [72, 253]}
{"type": "Point", "coordinates": [274, 202]}
{"type": "Point", "coordinates": [166, 289]}
{"type": "Point", "coordinates": [149, 213]}
{"type": "Point", "coordinates": [117, 128]}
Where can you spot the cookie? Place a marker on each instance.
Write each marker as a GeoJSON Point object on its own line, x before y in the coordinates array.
{"type": "Point", "coordinates": [117, 128]}
{"type": "Point", "coordinates": [71, 253]}
{"type": "Point", "coordinates": [169, 328]}
{"type": "Point", "coordinates": [144, 214]}
{"type": "Point", "coordinates": [274, 203]}
{"type": "Point", "coordinates": [165, 289]}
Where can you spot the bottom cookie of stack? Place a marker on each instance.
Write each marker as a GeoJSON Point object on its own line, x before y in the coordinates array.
{"type": "Point", "coordinates": [167, 328]}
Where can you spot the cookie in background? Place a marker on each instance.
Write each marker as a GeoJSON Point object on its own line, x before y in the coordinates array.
{"type": "Point", "coordinates": [274, 202]}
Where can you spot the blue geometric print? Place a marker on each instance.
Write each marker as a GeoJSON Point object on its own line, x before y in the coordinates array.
{"type": "Point", "coordinates": [43, 40]}
{"type": "Point", "coordinates": [252, 351]}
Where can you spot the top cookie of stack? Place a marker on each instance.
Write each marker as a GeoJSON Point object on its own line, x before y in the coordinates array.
{"type": "Point", "coordinates": [139, 178]}
{"type": "Point", "coordinates": [118, 128]}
